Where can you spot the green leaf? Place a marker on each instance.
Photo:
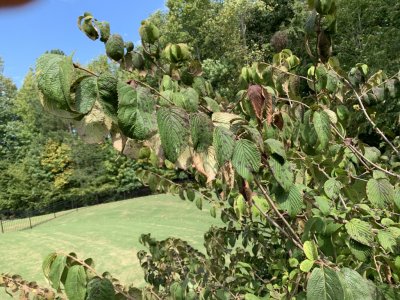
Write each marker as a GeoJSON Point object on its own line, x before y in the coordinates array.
{"type": "Point", "coordinates": [293, 262]}
{"type": "Point", "coordinates": [190, 194]}
{"type": "Point", "coordinates": [104, 28]}
{"type": "Point", "coordinates": [88, 28]}
{"type": "Point", "coordinates": [262, 203]}
{"type": "Point", "coordinates": [282, 173]}
{"type": "Point", "coordinates": [173, 126]}
{"type": "Point", "coordinates": [254, 135]}
{"type": "Point", "coordinates": [380, 192]}
{"type": "Point", "coordinates": [224, 144]}
{"type": "Point", "coordinates": [360, 251]}
{"type": "Point", "coordinates": [100, 289]}
{"type": "Point", "coordinates": [213, 212]}
{"type": "Point", "coordinates": [387, 240]}
{"type": "Point", "coordinates": [310, 250]}
{"type": "Point", "coordinates": [212, 104]}
{"type": "Point", "coordinates": [138, 60]}
{"type": "Point", "coordinates": [86, 94]}
{"type": "Point", "coordinates": [149, 33]}
{"type": "Point", "coordinates": [75, 285]}
{"type": "Point", "coordinates": [360, 231]}
{"type": "Point", "coordinates": [54, 74]}
{"type": "Point", "coordinates": [291, 201]}
{"type": "Point", "coordinates": [324, 204]}
{"type": "Point", "coordinates": [47, 262]}
{"type": "Point", "coordinates": [108, 91]}
{"type": "Point", "coordinates": [115, 47]}
{"type": "Point", "coordinates": [190, 99]}
{"type": "Point", "coordinates": [397, 197]}
{"type": "Point", "coordinates": [357, 287]}
{"type": "Point", "coordinates": [225, 119]}
{"type": "Point", "coordinates": [308, 133]}
{"type": "Point", "coordinates": [324, 284]}
{"type": "Point", "coordinates": [201, 128]}
{"type": "Point", "coordinates": [342, 113]}
{"type": "Point", "coordinates": [246, 159]}
{"type": "Point", "coordinates": [397, 262]}
{"type": "Point", "coordinates": [276, 147]}
{"type": "Point", "coordinates": [178, 99]}
{"type": "Point", "coordinates": [306, 265]}
{"type": "Point", "coordinates": [199, 203]}
{"type": "Point", "coordinates": [373, 154]}
{"type": "Point", "coordinates": [56, 270]}
{"type": "Point", "coordinates": [240, 207]}
{"type": "Point", "coordinates": [332, 188]}
{"type": "Point", "coordinates": [322, 126]}
{"type": "Point", "coordinates": [136, 116]}
{"type": "Point", "coordinates": [251, 297]}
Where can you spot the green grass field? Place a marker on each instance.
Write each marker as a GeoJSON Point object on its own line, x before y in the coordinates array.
{"type": "Point", "coordinates": [108, 233]}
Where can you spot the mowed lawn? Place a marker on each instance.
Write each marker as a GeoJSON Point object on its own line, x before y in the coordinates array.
{"type": "Point", "coordinates": [109, 233]}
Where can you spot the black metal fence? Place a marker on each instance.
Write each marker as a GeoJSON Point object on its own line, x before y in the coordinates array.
{"type": "Point", "coordinates": [16, 220]}
{"type": "Point", "coordinates": [21, 220]}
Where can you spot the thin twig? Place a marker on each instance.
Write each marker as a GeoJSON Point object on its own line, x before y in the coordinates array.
{"type": "Point", "coordinates": [358, 153]}
{"type": "Point", "coordinates": [179, 185]}
{"type": "Point", "coordinates": [291, 100]}
{"type": "Point", "coordinates": [237, 102]}
{"type": "Point", "coordinates": [273, 206]}
{"type": "Point", "coordinates": [153, 61]}
{"type": "Point", "coordinates": [117, 289]}
{"type": "Point", "coordinates": [289, 73]}
{"type": "Point", "coordinates": [383, 82]}
{"type": "Point", "coordinates": [84, 69]}
{"type": "Point", "coordinates": [378, 268]}
{"type": "Point", "coordinates": [380, 132]}
{"type": "Point", "coordinates": [272, 221]}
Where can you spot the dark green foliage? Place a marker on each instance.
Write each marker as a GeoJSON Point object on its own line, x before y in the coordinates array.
{"type": "Point", "coordinates": [201, 128]}
{"type": "Point", "coordinates": [136, 116]}
{"type": "Point", "coordinates": [246, 159]}
{"type": "Point", "coordinates": [115, 47]}
{"type": "Point", "coordinates": [86, 94]}
{"type": "Point", "coordinates": [149, 32]}
{"type": "Point", "coordinates": [56, 74]}
{"type": "Point", "coordinates": [224, 143]}
{"type": "Point", "coordinates": [173, 126]}
{"type": "Point", "coordinates": [108, 93]}
{"type": "Point", "coordinates": [306, 181]}
{"type": "Point", "coordinates": [100, 289]}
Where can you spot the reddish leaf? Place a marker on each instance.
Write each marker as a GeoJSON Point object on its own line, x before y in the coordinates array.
{"type": "Point", "coordinates": [278, 121]}
{"type": "Point", "coordinates": [268, 105]}
{"type": "Point", "coordinates": [261, 101]}
{"type": "Point", "coordinates": [257, 100]}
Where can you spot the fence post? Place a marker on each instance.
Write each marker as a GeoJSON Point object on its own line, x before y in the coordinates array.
{"type": "Point", "coordinates": [30, 222]}
{"type": "Point", "coordinates": [1, 222]}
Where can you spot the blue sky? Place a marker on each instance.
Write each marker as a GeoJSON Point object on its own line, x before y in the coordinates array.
{"type": "Point", "coordinates": [28, 31]}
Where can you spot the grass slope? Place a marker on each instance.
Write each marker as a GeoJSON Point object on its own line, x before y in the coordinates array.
{"type": "Point", "coordinates": [108, 233]}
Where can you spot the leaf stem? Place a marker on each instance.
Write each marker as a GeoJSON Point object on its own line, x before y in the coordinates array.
{"type": "Point", "coordinates": [82, 263]}
{"type": "Point", "coordinates": [376, 128]}
{"type": "Point", "coordinates": [273, 206]}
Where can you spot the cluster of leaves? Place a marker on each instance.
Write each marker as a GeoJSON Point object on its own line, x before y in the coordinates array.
{"type": "Point", "coordinates": [310, 211]}
{"type": "Point", "coordinates": [42, 160]}
{"type": "Point", "coordinates": [70, 278]}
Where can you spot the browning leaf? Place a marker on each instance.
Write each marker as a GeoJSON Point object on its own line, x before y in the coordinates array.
{"type": "Point", "coordinates": [257, 100]}
{"type": "Point", "coordinates": [261, 101]}
{"type": "Point", "coordinates": [278, 121]}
